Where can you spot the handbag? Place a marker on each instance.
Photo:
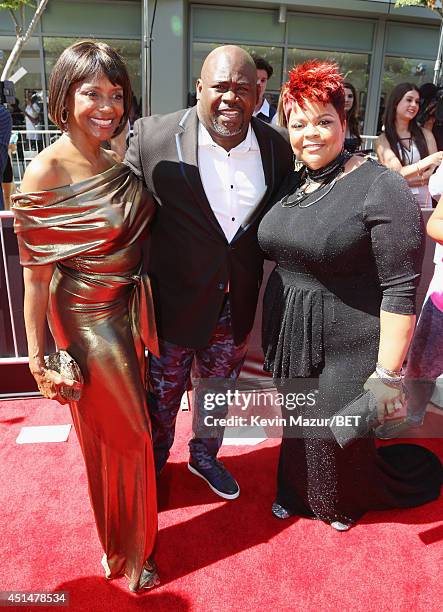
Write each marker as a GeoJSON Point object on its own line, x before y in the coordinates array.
{"type": "Point", "coordinates": [65, 365]}
{"type": "Point", "coordinates": [355, 420]}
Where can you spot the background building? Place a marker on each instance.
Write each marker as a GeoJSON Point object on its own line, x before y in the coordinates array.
{"type": "Point", "coordinates": [375, 44]}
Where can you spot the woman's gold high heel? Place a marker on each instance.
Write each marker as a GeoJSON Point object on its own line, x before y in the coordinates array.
{"type": "Point", "coordinates": [149, 578]}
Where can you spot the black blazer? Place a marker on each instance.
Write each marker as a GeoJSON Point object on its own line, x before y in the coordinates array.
{"type": "Point", "coordinates": [190, 261]}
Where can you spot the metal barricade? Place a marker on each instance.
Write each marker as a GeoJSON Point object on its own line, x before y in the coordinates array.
{"type": "Point", "coordinates": [29, 144]}
{"type": "Point", "coordinates": [368, 145]}
{"type": "Point", "coordinates": [15, 378]}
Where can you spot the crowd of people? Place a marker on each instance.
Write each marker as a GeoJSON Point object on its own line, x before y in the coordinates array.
{"type": "Point", "coordinates": [215, 189]}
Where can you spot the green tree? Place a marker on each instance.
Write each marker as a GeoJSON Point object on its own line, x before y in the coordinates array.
{"type": "Point", "coordinates": [430, 4]}
{"type": "Point", "coordinates": [23, 30]}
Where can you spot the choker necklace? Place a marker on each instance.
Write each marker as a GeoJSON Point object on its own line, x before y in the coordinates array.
{"type": "Point", "coordinates": [326, 176]}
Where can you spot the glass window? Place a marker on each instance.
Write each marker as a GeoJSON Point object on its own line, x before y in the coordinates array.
{"type": "Point", "coordinates": [31, 82]}
{"type": "Point", "coordinates": [130, 50]}
{"type": "Point", "coordinates": [399, 70]}
{"type": "Point", "coordinates": [353, 66]}
{"type": "Point", "coordinates": [274, 55]}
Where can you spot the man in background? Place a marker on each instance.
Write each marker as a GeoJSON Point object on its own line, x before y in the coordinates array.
{"type": "Point", "coordinates": [263, 110]}
{"type": "Point", "coordinates": [5, 135]}
{"type": "Point", "coordinates": [32, 121]}
{"type": "Point", "coordinates": [430, 113]}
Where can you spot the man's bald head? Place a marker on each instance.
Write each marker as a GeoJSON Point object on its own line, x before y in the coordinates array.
{"type": "Point", "coordinates": [228, 54]}
{"type": "Point", "coordinates": [227, 94]}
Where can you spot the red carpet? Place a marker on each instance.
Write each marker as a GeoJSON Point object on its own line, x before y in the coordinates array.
{"type": "Point", "coordinates": [212, 555]}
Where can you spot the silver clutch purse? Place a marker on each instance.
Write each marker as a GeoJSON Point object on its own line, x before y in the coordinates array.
{"type": "Point", "coordinates": [66, 366]}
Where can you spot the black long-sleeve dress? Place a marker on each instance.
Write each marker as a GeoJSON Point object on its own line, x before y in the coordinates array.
{"type": "Point", "coordinates": [339, 260]}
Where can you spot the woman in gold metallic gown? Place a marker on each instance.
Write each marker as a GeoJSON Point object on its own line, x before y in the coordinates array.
{"type": "Point", "coordinates": [80, 223]}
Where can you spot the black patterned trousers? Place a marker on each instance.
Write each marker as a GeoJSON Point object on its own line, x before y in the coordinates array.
{"type": "Point", "coordinates": [170, 377]}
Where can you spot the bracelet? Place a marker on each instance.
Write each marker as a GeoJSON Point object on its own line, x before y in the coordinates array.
{"type": "Point", "coordinates": [392, 378]}
{"type": "Point", "coordinates": [420, 173]}
{"type": "Point", "coordinates": [389, 373]}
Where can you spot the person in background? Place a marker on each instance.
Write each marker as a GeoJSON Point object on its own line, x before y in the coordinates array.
{"type": "Point", "coordinates": [32, 121]}
{"type": "Point", "coordinates": [18, 118]}
{"type": "Point", "coordinates": [338, 311]}
{"type": "Point", "coordinates": [352, 139]}
{"type": "Point", "coordinates": [135, 112]}
{"type": "Point", "coordinates": [18, 124]}
{"type": "Point", "coordinates": [5, 137]}
{"type": "Point", "coordinates": [405, 147]}
{"type": "Point", "coordinates": [8, 185]}
{"type": "Point", "coordinates": [263, 110]}
{"type": "Point", "coordinates": [430, 112]}
{"type": "Point", "coordinates": [280, 116]}
{"type": "Point", "coordinates": [425, 358]}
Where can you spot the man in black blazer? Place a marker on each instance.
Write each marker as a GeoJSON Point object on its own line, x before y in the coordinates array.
{"type": "Point", "coordinates": [212, 171]}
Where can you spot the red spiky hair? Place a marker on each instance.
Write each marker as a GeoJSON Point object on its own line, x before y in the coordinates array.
{"type": "Point", "coordinates": [315, 80]}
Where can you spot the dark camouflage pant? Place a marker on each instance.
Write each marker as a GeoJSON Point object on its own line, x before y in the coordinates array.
{"type": "Point", "coordinates": [170, 377]}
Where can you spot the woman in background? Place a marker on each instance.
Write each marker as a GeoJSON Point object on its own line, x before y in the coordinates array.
{"type": "Point", "coordinates": [281, 117]}
{"type": "Point", "coordinates": [425, 358]}
{"type": "Point", "coordinates": [352, 138]}
{"type": "Point", "coordinates": [80, 224]}
{"type": "Point", "coordinates": [405, 147]}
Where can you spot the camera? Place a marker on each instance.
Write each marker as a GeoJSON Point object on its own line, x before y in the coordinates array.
{"type": "Point", "coordinates": [7, 92]}
{"type": "Point", "coordinates": [431, 103]}
{"type": "Point", "coordinates": [431, 107]}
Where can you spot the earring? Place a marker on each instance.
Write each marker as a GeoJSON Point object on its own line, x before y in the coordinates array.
{"type": "Point", "coordinates": [64, 115]}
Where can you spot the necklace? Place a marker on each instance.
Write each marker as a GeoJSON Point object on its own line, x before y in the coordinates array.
{"type": "Point", "coordinates": [326, 176]}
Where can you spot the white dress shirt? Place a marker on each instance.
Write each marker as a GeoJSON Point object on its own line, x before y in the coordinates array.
{"type": "Point", "coordinates": [234, 181]}
{"type": "Point", "coordinates": [265, 109]}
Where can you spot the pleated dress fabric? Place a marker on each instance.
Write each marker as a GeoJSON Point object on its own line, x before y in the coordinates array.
{"type": "Point", "coordinates": [100, 310]}
{"type": "Point", "coordinates": [339, 260]}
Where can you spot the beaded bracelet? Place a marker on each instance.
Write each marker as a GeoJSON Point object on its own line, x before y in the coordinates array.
{"type": "Point", "coordinates": [392, 378]}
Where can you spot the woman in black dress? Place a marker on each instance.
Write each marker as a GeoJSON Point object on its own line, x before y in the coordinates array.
{"type": "Point", "coordinates": [347, 237]}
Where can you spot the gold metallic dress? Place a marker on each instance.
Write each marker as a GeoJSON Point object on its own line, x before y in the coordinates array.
{"type": "Point", "coordinates": [100, 310]}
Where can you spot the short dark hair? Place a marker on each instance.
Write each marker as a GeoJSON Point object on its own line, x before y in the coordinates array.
{"type": "Point", "coordinates": [80, 61]}
{"type": "Point", "coordinates": [262, 64]}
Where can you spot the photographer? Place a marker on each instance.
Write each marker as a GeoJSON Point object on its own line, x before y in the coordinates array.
{"type": "Point", "coordinates": [32, 120]}
{"type": "Point", "coordinates": [430, 115]}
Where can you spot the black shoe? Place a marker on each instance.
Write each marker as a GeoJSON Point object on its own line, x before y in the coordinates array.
{"type": "Point", "coordinates": [395, 429]}
{"type": "Point", "coordinates": [217, 477]}
{"type": "Point", "coordinates": [280, 512]}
